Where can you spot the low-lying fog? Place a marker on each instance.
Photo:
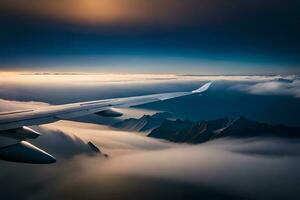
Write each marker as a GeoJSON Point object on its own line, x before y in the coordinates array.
{"type": "Point", "coordinates": [141, 167]}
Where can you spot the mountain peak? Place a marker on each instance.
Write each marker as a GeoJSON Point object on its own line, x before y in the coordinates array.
{"type": "Point", "coordinates": [144, 124]}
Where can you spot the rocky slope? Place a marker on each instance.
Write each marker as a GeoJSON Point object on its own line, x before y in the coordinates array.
{"type": "Point", "coordinates": [144, 124]}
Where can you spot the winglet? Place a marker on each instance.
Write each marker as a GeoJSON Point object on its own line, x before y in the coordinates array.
{"type": "Point", "coordinates": [203, 88]}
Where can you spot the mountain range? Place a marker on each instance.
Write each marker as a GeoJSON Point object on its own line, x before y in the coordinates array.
{"type": "Point", "coordinates": [163, 126]}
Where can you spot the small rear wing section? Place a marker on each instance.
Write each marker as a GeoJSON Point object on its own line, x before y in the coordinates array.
{"type": "Point", "coordinates": [26, 153]}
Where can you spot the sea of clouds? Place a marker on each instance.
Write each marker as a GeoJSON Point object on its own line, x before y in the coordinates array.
{"type": "Point", "coordinates": [139, 167]}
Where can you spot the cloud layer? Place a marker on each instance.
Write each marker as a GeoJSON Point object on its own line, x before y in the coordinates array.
{"type": "Point", "coordinates": [282, 86]}
{"type": "Point", "coordinates": [254, 168]}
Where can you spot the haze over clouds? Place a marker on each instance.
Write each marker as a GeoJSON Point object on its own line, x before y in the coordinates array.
{"type": "Point", "coordinates": [100, 79]}
{"type": "Point", "coordinates": [71, 87]}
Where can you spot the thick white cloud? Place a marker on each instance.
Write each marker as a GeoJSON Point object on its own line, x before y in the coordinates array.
{"type": "Point", "coordinates": [6, 105]}
{"type": "Point", "coordinates": [281, 86]}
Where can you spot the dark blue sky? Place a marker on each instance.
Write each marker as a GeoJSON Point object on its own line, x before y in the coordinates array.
{"type": "Point", "coordinates": [213, 37]}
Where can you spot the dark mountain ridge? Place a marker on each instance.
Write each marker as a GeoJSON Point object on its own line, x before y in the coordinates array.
{"type": "Point", "coordinates": [163, 126]}
{"type": "Point", "coordinates": [203, 131]}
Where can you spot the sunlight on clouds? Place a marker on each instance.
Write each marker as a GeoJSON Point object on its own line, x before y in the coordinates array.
{"type": "Point", "coordinates": [235, 166]}
{"type": "Point", "coordinates": [113, 142]}
{"type": "Point", "coordinates": [6, 105]}
{"type": "Point", "coordinates": [90, 79]}
{"type": "Point", "coordinates": [79, 79]}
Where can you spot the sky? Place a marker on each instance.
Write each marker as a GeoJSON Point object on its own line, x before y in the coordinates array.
{"type": "Point", "coordinates": [156, 36]}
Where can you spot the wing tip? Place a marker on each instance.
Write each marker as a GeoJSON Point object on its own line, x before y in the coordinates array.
{"type": "Point", "coordinates": [203, 87]}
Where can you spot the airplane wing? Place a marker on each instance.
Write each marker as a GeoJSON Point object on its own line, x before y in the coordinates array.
{"type": "Point", "coordinates": [14, 131]}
